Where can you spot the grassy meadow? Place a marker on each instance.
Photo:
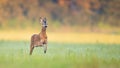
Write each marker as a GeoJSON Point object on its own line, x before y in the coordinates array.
{"type": "Point", "coordinates": [65, 50]}
{"type": "Point", "coordinates": [59, 55]}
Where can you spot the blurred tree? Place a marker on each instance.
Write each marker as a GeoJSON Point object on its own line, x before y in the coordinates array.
{"type": "Point", "coordinates": [69, 12]}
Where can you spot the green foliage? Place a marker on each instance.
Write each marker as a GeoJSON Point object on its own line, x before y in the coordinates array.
{"type": "Point", "coordinates": [103, 25]}
{"type": "Point", "coordinates": [59, 55]}
{"type": "Point", "coordinates": [12, 23]}
{"type": "Point", "coordinates": [56, 24]}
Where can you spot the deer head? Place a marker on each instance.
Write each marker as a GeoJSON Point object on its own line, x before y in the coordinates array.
{"type": "Point", "coordinates": [43, 21]}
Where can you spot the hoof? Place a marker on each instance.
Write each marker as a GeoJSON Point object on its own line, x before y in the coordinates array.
{"type": "Point", "coordinates": [44, 51]}
{"type": "Point", "coordinates": [30, 54]}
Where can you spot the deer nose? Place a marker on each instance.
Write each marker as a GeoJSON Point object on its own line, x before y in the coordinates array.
{"type": "Point", "coordinates": [46, 26]}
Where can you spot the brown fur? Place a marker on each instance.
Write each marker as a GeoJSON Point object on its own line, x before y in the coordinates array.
{"type": "Point", "coordinates": [39, 40]}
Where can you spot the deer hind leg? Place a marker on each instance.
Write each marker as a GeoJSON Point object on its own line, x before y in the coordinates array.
{"type": "Point", "coordinates": [31, 49]}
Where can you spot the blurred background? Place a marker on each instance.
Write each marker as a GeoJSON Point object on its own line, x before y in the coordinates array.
{"type": "Point", "coordinates": [74, 16]}
{"type": "Point", "coordinates": [79, 15]}
{"type": "Point", "coordinates": [81, 33]}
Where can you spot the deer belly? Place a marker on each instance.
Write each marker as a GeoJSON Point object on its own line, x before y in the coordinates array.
{"type": "Point", "coordinates": [38, 44]}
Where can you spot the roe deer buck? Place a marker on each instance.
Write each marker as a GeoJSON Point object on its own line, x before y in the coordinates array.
{"type": "Point", "coordinates": [41, 38]}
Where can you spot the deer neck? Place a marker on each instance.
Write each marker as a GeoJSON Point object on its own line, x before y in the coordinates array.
{"type": "Point", "coordinates": [43, 32]}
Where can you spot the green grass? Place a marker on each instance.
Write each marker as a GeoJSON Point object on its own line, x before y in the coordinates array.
{"type": "Point", "coordinates": [59, 55]}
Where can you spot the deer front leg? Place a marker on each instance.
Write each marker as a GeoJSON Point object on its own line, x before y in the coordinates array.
{"type": "Point", "coordinates": [45, 48]}
{"type": "Point", "coordinates": [31, 49]}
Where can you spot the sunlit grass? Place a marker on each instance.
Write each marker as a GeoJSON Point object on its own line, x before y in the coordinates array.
{"type": "Point", "coordinates": [63, 37]}
{"type": "Point", "coordinates": [59, 55]}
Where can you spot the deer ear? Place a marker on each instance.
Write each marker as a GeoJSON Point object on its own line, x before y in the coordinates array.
{"type": "Point", "coordinates": [45, 18]}
{"type": "Point", "coordinates": [40, 19]}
